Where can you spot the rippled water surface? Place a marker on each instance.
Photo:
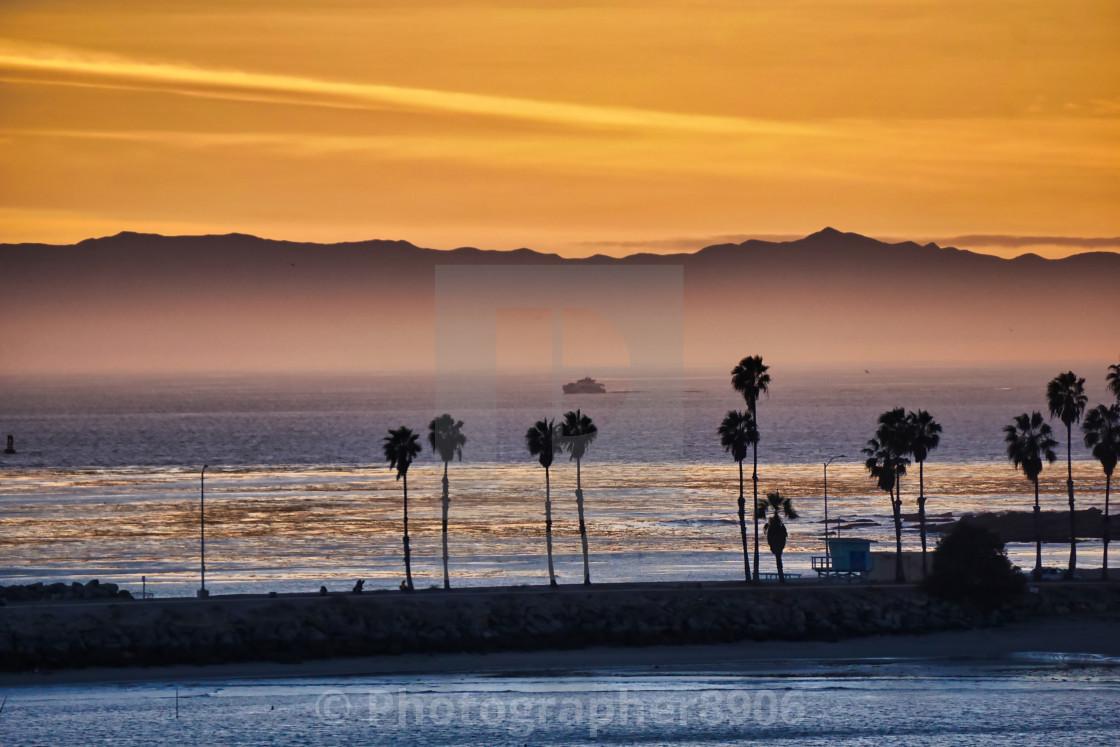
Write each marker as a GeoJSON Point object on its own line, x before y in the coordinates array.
{"type": "Point", "coordinates": [106, 479]}
{"type": "Point", "coordinates": [1039, 699]}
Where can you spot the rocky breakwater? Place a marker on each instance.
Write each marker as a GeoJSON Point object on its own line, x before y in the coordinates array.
{"type": "Point", "coordinates": [295, 628]}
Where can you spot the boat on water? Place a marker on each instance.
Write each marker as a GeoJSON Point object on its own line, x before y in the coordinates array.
{"type": "Point", "coordinates": [586, 385]}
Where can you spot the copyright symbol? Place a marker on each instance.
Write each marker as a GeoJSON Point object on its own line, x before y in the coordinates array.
{"type": "Point", "coordinates": [332, 705]}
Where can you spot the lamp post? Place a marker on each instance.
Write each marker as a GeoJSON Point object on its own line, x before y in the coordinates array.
{"type": "Point", "coordinates": [827, 553]}
{"type": "Point", "coordinates": [202, 593]}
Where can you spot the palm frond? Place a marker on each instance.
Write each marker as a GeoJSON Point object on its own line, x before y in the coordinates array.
{"type": "Point", "coordinates": [1065, 396]}
{"type": "Point", "coordinates": [401, 447]}
{"type": "Point", "coordinates": [446, 438]}
{"type": "Point", "coordinates": [737, 433]}
{"type": "Point", "coordinates": [577, 433]}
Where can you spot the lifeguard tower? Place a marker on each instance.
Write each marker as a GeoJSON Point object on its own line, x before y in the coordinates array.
{"type": "Point", "coordinates": [847, 558]}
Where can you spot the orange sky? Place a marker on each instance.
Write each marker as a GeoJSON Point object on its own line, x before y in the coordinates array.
{"type": "Point", "coordinates": [609, 126]}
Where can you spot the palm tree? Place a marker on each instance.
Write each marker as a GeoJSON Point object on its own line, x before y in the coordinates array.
{"type": "Point", "coordinates": [926, 436]}
{"type": "Point", "coordinates": [402, 447]}
{"type": "Point", "coordinates": [776, 532]}
{"type": "Point", "coordinates": [539, 441]}
{"type": "Point", "coordinates": [577, 432]}
{"type": "Point", "coordinates": [750, 379]}
{"type": "Point", "coordinates": [1065, 394]}
{"type": "Point", "coordinates": [1029, 441]}
{"type": "Point", "coordinates": [1102, 435]}
{"type": "Point", "coordinates": [1113, 380]}
{"type": "Point", "coordinates": [446, 439]}
{"type": "Point", "coordinates": [886, 462]}
{"type": "Point", "coordinates": [737, 433]}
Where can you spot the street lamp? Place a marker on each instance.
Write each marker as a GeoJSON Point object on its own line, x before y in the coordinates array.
{"type": "Point", "coordinates": [827, 553]}
{"type": "Point", "coordinates": [202, 593]}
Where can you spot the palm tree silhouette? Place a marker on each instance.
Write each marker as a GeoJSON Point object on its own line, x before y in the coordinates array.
{"type": "Point", "coordinates": [925, 433]}
{"type": "Point", "coordinates": [446, 439]}
{"type": "Point", "coordinates": [1029, 441]}
{"type": "Point", "coordinates": [577, 432]}
{"type": "Point", "coordinates": [539, 440]}
{"type": "Point", "coordinates": [1113, 380]}
{"type": "Point", "coordinates": [750, 379]}
{"type": "Point", "coordinates": [401, 447]}
{"type": "Point", "coordinates": [886, 462]}
{"type": "Point", "coordinates": [1065, 394]}
{"type": "Point", "coordinates": [737, 433]}
{"type": "Point", "coordinates": [775, 505]}
{"type": "Point", "coordinates": [1102, 435]}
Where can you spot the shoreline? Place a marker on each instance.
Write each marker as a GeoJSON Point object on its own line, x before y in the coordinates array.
{"type": "Point", "coordinates": [534, 628]}
{"type": "Point", "coordinates": [1084, 634]}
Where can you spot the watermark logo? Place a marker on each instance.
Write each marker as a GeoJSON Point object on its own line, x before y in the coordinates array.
{"type": "Point", "coordinates": [594, 713]}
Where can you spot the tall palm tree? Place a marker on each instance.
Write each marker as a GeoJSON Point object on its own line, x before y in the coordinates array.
{"type": "Point", "coordinates": [1102, 435]}
{"type": "Point", "coordinates": [750, 379]}
{"type": "Point", "coordinates": [577, 432]}
{"type": "Point", "coordinates": [401, 447]}
{"type": "Point", "coordinates": [540, 442]}
{"type": "Point", "coordinates": [775, 505]}
{"type": "Point", "coordinates": [446, 439]}
{"type": "Point", "coordinates": [1029, 441]}
{"type": "Point", "coordinates": [737, 433]}
{"type": "Point", "coordinates": [886, 462]}
{"type": "Point", "coordinates": [926, 436]}
{"type": "Point", "coordinates": [1065, 394]}
{"type": "Point", "coordinates": [1113, 380]}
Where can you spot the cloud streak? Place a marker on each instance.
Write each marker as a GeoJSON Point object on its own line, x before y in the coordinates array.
{"type": "Point", "coordinates": [221, 83]}
{"type": "Point", "coordinates": [1018, 242]}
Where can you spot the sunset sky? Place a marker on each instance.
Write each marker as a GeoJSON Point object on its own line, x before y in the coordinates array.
{"type": "Point", "coordinates": [612, 126]}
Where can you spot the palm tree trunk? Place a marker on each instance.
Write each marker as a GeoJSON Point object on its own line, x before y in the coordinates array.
{"type": "Point", "coordinates": [922, 512]}
{"type": "Point", "coordinates": [1105, 533]}
{"type": "Point", "coordinates": [446, 501]}
{"type": "Point", "coordinates": [1069, 489]}
{"type": "Point", "coordinates": [548, 526]}
{"type": "Point", "coordinates": [743, 526]}
{"type": "Point", "coordinates": [582, 526]}
{"type": "Point", "coordinates": [754, 509]}
{"type": "Point", "coordinates": [781, 572]}
{"type": "Point", "coordinates": [896, 505]}
{"type": "Point", "coordinates": [1037, 534]}
{"type": "Point", "coordinates": [407, 551]}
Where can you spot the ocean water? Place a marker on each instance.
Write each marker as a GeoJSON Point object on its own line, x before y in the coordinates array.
{"type": "Point", "coordinates": [1023, 699]}
{"type": "Point", "coordinates": [106, 480]}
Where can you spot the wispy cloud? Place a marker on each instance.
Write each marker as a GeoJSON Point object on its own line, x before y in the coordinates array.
{"type": "Point", "coordinates": [316, 91]}
{"type": "Point", "coordinates": [1019, 242]}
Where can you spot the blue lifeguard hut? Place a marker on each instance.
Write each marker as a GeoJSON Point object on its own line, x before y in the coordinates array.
{"type": "Point", "coordinates": [846, 558]}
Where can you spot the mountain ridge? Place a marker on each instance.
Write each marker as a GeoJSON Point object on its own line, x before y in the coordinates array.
{"type": "Point", "coordinates": [823, 238]}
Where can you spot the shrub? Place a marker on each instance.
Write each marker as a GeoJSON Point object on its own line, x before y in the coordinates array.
{"type": "Point", "coordinates": [970, 565]}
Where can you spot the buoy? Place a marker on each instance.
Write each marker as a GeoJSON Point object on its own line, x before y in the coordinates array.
{"type": "Point", "coordinates": [11, 445]}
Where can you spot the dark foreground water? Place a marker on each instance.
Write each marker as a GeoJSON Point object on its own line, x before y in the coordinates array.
{"type": "Point", "coordinates": [1048, 699]}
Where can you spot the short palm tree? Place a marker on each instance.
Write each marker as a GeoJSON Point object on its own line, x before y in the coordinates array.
{"type": "Point", "coordinates": [737, 433]}
{"type": "Point", "coordinates": [926, 436]}
{"type": "Point", "coordinates": [776, 506]}
{"type": "Point", "coordinates": [541, 444]}
{"type": "Point", "coordinates": [1065, 394]}
{"type": "Point", "coordinates": [886, 464]}
{"type": "Point", "coordinates": [577, 433]}
{"type": "Point", "coordinates": [750, 378]}
{"type": "Point", "coordinates": [1102, 435]}
{"type": "Point", "coordinates": [446, 439]}
{"type": "Point", "coordinates": [402, 446]}
{"type": "Point", "coordinates": [1030, 440]}
{"type": "Point", "coordinates": [1113, 380]}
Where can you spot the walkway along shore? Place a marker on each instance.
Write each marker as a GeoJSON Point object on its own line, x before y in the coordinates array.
{"type": "Point", "coordinates": [295, 628]}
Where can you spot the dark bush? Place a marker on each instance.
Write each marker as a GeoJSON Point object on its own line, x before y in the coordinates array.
{"type": "Point", "coordinates": [970, 565]}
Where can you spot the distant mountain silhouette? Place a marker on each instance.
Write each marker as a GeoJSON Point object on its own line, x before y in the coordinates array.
{"type": "Point", "coordinates": [238, 301]}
